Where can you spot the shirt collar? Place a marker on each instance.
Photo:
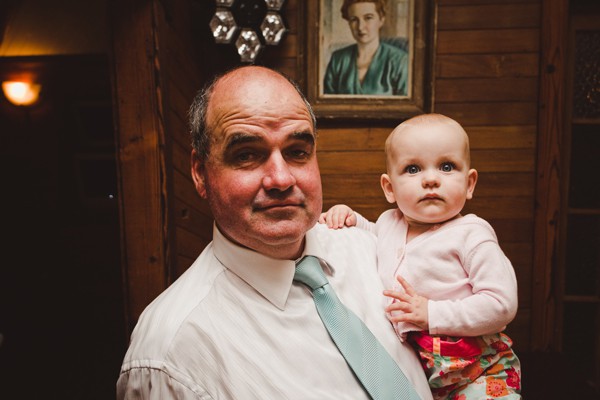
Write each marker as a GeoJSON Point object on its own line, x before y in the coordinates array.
{"type": "Point", "coordinates": [271, 277]}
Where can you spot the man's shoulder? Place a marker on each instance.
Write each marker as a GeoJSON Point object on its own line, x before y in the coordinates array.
{"type": "Point", "coordinates": [344, 234]}
{"type": "Point", "coordinates": [346, 241]}
{"type": "Point", "coordinates": [163, 317]}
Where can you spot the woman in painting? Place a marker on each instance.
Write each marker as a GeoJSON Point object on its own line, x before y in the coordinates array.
{"type": "Point", "coordinates": [370, 66]}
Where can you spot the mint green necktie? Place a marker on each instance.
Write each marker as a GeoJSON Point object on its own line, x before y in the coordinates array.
{"type": "Point", "coordinates": [373, 366]}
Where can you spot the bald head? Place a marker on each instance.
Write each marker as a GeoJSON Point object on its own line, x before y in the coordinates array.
{"type": "Point", "coordinates": [241, 87]}
{"type": "Point", "coordinates": [442, 125]}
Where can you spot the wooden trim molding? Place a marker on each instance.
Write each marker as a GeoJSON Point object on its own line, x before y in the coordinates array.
{"type": "Point", "coordinates": [140, 154]}
{"type": "Point", "coordinates": [551, 122]}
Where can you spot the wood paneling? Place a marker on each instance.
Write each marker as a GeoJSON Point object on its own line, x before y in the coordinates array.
{"type": "Point", "coordinates": [502, 15]}
{"type": "Point", "coordinates": [501, 113]}
{"type": "Point", "coordinates": [493, 41]}
{"type": "Point", "coordinates": [486, 89]}
{"type": "Point", "coordinates": [551, 125]}
{"type": "Point", "coordinates": [487, 65]}
{"type": "Point", "coordinates": [140, 154]}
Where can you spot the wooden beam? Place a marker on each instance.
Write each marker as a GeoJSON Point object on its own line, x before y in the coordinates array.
{"type": "Point", "coordinates": [548, 200]}
{"type": "Point", "coordinates": [140, 154]}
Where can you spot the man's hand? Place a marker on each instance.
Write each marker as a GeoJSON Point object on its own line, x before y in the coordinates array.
{"type": "Point", "coordinates": [407, 306]}
{"type": "Point", "coordinates": [338, 216]}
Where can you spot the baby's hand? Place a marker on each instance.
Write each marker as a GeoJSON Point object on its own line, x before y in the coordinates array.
{"type": "Point", "coordinates": [412, 306]}
{"type": "Point", "coordinates": [338, 216]}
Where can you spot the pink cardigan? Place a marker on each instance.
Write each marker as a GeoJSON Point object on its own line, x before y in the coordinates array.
{"type": "Point", "coordinates": [458, 265]}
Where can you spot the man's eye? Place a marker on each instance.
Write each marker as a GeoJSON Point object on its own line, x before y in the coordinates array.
{"type": "Point", "coordinates": [447, 167]}
{"type": "Point", "coordinates": [412, 169]}
{"type": "Point", "coordinates": [298, 153]}
{"type": "Point", "coordinates": [244, 157]}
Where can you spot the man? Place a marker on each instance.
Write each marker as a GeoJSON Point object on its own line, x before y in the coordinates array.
{"type": "Point", "coordinates": [235, 325]}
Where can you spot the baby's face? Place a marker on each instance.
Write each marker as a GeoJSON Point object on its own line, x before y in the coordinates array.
{"type": "Point", "coordinates": [428, 172]}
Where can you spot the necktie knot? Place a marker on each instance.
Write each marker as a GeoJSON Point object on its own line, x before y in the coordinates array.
{"type": "Point", "coordinates": [309, 272]}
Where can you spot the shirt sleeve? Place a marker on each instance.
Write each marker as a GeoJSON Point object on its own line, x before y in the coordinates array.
{"type": "Point", "coordinates": [494, 301]}
{"type": "Point", "coordinates": [155, 384]}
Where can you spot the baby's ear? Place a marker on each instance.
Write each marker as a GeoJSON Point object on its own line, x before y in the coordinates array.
{"type": "Point", "coordinates": [471, 182]}
{"type": "Point", "coordinates": [388, 190]}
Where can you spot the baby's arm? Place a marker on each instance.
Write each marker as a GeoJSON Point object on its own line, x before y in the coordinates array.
{"type": "Point", "coordinates": [491, 306]}
{"type": "Point", "coordinates": [338, 216]}
{"type": "Point", "coordinates": [493, 303]}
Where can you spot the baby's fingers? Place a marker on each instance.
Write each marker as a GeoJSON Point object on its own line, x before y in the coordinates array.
{"type": "Point", "coordinates": [406, 286]}
{"type": "Point", "coordinates": [397, 295]}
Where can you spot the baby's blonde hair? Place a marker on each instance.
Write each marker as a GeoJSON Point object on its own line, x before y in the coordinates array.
{"type": "Point", "coordinates": [423, 120]}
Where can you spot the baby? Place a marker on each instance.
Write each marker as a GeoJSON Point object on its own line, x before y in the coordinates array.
{"type": "Point", "coordinates": [452, 290]}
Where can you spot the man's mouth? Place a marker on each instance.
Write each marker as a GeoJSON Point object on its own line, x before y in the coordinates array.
{"type": "Point", "coordinates": [275, 206]}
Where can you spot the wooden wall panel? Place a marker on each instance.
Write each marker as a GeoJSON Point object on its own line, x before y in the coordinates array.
{"type": "Point", "coordinates": [486, 65]}
{"type": "Point", "coordinates": [501, 15]}
{"type": "Point", "coordinates": [140, 141]}
{"type": "Point", "coordinates": [488, 41]}
{"type": "Point", "coordinates": [191, 222]}
{"type": "Point", "coordinates": [486, 89]}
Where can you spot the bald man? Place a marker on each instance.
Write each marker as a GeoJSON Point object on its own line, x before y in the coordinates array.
{"type": "Point", "coordinates": [235, 325]}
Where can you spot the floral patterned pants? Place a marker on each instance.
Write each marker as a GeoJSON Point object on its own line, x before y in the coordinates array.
{"type": "Point", "coordinates": [466, 368]}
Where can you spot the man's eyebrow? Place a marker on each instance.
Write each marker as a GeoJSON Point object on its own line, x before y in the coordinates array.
{"type": "Point", "coordinates": [305, 136]}
{"type": "Point", "coordinates": [238, 139]}
{"type": "Point", "coordinates": [241, 138]}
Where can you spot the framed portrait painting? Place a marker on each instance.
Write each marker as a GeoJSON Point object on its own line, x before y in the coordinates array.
{"type": "Point", "coordinates": [368, 58]}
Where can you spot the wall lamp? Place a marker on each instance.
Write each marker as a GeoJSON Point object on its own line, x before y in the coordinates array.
{"type": "Point", "coordinates": [249, 25]}
{"type": "Point", "coordinates": [21, 93]}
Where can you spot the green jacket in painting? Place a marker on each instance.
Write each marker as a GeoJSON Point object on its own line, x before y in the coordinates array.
{"type": "Point", "coordinates": [387, 74]}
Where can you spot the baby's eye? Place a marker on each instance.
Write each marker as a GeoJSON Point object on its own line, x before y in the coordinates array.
{"type": "Point", "coordinates": [447, 167]}
{"type": "Point", "coordinates": [412, 169]}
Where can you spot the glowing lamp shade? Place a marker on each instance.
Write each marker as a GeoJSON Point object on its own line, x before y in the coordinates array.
{"type": "Point", "coordinates": [21, 93]}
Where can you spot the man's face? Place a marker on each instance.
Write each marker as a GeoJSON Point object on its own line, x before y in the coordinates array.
{"type": "Point", "coordinates": [261, 177]}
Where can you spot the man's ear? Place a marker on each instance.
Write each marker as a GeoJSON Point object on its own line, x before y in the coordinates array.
{"type": "Point", "coordinates": [471, 182]}
{"type": "Point", "coordinates": [198, 174]}
{"type": "Point", "coordinates": [388, 190]}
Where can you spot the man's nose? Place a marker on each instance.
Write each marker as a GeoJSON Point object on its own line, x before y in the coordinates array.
{"type": "Point", "coordinates": [278, 174]}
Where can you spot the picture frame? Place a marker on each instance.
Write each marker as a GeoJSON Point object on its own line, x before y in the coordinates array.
{"type": "Point", "coordinates": [406, 91]}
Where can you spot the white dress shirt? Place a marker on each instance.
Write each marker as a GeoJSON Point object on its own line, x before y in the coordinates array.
{"type": "Point", "coordinates": [236, 326]}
